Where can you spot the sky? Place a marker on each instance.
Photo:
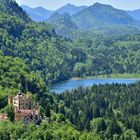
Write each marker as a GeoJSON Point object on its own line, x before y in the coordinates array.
{"type": "Point", "coordinates": [55, 4]}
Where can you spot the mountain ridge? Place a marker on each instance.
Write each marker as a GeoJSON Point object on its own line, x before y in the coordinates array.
{"type": "Point", "coordinates": [62, 23]}
{"type": "Point", "coordinates": [42, 14]}
{"type": "Point", "coordinates": [98, 18]}
{"type": "Point", "coordinates": [106, 14]}
{"type": "Point", "coordinates": [70, 8]}
{"type": "Point", "coordinates": [13, 9]}
{"type": "Point", "coordinates": [37, 14]}
{"type": "Point", "coordinates": [134, 13]}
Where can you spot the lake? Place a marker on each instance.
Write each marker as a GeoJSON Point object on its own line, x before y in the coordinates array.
{"type": "Point", "coordinates": [72, 84]}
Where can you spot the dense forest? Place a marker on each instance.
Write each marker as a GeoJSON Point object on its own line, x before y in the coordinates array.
{"type": "Point", "coordinates": [32, 56]}
{"type": "Point", "coordinates": [107, 55]}
{"type": "Point", "coordinates": [44, 52]}
{"type": "Point", "coordinates": [104, 112]}
{"type": "Point", "coordinates": [112, 111]}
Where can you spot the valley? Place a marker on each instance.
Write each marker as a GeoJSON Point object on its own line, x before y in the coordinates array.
{"type": "Point", "coordinates": [40, 47]}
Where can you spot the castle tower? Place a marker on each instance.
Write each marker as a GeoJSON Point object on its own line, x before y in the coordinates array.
{"type": "Point", "coordinates": [10, 100]}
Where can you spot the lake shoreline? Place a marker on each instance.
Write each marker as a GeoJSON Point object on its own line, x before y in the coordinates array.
{"type": "Point", "coordinates": [113, 76]}
{"type": "Point", "coordinates": [89, 81]}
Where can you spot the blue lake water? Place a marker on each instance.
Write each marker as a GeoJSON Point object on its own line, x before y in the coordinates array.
{"type": "Point", "coordinates": [72, 84]}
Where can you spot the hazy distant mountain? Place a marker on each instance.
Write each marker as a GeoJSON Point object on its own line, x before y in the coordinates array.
{"type": "Point", "coordinates": [71, 9]}
{"type": "Point", "coordinates": [42, 14]}
{"type": "Point", "coordinates": [102, 16]}
{"type": "Point", "coordinates": [37, 14]}
{"type": "Point", "coordinates": [98, 18]}
{"type": "Point", "coordinates": [135, 14]}
{"type": "Point", "coordinates": [62, 23]}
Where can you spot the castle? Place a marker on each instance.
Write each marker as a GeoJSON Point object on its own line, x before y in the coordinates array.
{"type": "Point", "coordinates": [24, 108]}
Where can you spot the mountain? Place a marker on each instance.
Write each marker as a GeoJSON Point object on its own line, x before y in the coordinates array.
{"type": "Point", "coordinates": [100, 16]}
{"type": "Point", "coordinates": [42, 14]}
{"type": "Point", "coordinates": [37, 14]}
{"type": "Point", "coordinates": [11, 8]}
{"type": "Point", "coordinates": [71, 9]}
{"type": "Point", "coordinates": [32, 56]}
{"type": "Point", "coordinates": [62, 23]}
{"type": "Point", "coordinates": [135, 14]}
{"type": "Point", "coordinates": [44, 54]}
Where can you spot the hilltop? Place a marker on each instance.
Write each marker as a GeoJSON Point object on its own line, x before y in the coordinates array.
{"type": "Point", "coordinates": [63, 24]}
{"type": "Point", "coordinates": [70, 9]}
{"type": "Point", "coordinates": [37, 14]}
{"type": "Point", "coordinates": [95, 19]}
{"type": "Point", "coordinates": [100, 16]}
{"type": "Point", "coordinates": [134, 13]}
{"type": "Point", "coordinates": [41, 14]}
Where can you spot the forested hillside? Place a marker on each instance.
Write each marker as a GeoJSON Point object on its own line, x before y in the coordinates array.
{"type": "Point", "coordinates": [107, 55]}
{"type": "Point", "coordinates": [96, 113]}
{"type": "Point", "coordinates": [32, 56]}
{"type": "Point", "coordinates": [35, 43]}
{"type": "Point", "coordinates": [63, 24]}
{"type": "Point", "coordinates": [112, 111]}
{"type": "Point", "coordinates": [54, 58]}
{"type": "Point", "coordinates": [102, 16]}
{"type": "Point", "coordinates": [44, 52]}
